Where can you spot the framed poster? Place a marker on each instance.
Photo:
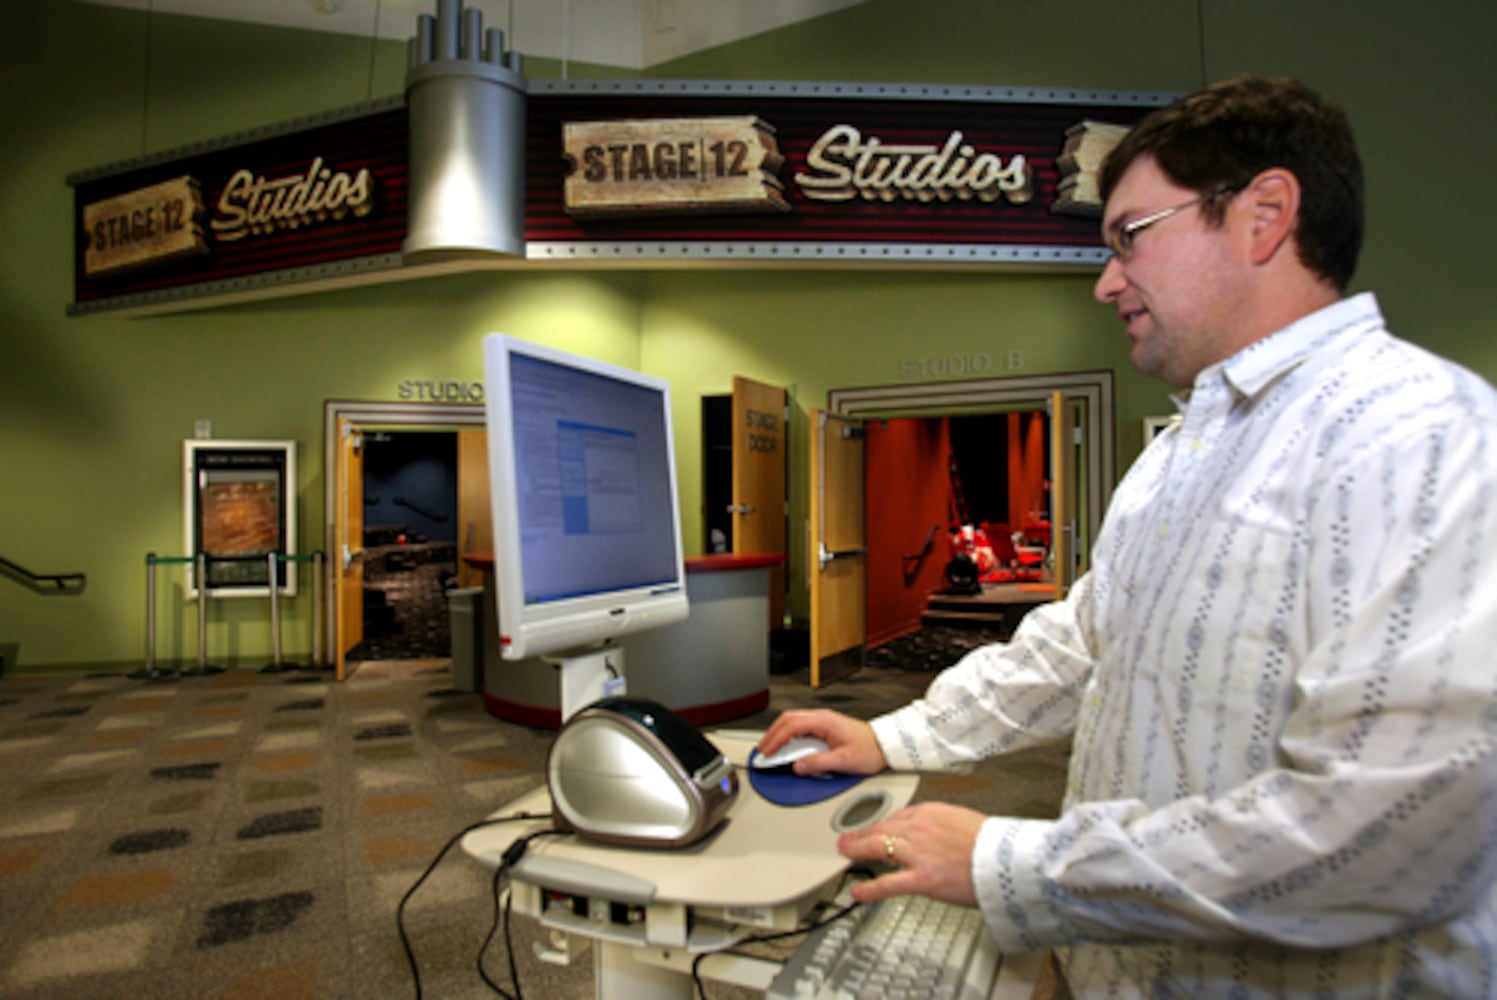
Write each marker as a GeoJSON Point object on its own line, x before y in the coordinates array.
{"type": "Point", "coordinates": [239, 506]}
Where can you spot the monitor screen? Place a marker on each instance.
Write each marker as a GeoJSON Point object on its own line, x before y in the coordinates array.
{"type": "Point", "coordinates": [587, 536]}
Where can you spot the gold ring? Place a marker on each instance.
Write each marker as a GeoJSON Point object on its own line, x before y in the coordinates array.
{"type": "Point", "coordinates": [889, 846]}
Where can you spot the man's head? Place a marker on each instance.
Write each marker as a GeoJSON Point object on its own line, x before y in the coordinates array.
{"type": "Point", "coordinates": [1231, 214]}
{"type": "Point", "coordinates": [1222, 137]}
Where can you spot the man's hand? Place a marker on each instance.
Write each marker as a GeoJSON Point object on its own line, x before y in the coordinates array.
{"type": "Point", "coordinates": [852, 747]}
{"type": "Point", "coordinates": [932, 844]}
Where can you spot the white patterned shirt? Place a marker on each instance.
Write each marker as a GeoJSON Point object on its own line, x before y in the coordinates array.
{"type": "Point", "coordinates": [1279, 679]}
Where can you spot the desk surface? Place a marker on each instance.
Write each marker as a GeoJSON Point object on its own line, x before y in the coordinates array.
{"type": "Point", "coordinates": [764, 855]}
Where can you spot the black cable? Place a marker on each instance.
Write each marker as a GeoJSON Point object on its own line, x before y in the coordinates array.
{"type": "Point", "coordinates": [405, 942]}
{"type": "Point", "coordinates": [509, 944]}
{"type": "Point", "coordinates": [511, 857]}
{"type": "Point", "coordinates": [493, 928]}
{"type": "Point", "coordinates": [696, 963]}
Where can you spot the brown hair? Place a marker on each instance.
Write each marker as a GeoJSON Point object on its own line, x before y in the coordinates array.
{"type": "Point", "coordinates": [1224, 136]}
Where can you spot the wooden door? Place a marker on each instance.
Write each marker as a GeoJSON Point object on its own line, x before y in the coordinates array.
{"type": "Point", "coordinates": [838, 554]}
{"type": "Point", "coordinates": [758, 504]}
{"type": "Point", "coordinates": [1070, 544]}
{"type": "Point", "coordinates": [349, 531]}
{"type": "Point", "coordinates": [475, 518]}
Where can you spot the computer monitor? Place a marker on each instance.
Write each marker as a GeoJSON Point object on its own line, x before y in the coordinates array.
{"type": "Point", "coordinates": [582, 473]}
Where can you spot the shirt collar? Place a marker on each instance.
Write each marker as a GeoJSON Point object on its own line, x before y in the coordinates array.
{"type": "Point", "coordinates": [1257, 366]}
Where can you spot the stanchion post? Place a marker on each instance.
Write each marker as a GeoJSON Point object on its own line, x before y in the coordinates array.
{"type": "Point", "coordinates": [150, 612]}
{"type": "Point", "coordinates": [319, 638]}
{"type": "Point", "coordinates": [150, 673]}
{"type": "Point", "coordinates": [202, 581]}
{"type": "Point", "coordinates": [200, 565]}
{"type": "Point", "coordinates": [275, 666]}
{"type": "Point", "coordinates": [314, 661]}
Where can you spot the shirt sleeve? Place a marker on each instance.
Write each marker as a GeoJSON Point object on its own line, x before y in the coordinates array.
{"type": "Point", "coordinates": [1376, 816]}
{"type": "Point", "coordinates": [997, 698]}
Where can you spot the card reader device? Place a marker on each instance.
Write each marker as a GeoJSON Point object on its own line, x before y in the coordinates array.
{"type": "Point", "coordinates": [628, 770]}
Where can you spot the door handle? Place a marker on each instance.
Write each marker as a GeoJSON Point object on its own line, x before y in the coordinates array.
{"type": "Point", "coordinates": [826, 556]}
{"type": "Point", "coordinates": [350, 556]}
{"type": "Point", "coordinates": [741, 508]}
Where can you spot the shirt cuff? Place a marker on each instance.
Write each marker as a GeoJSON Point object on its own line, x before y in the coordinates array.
{"type": "Point", "coordinates": [904, 737]}
{"type": "Point", "coordinates": [1008, 878]}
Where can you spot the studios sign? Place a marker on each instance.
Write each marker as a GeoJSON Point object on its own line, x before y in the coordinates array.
{"type": "Point", "coordinates": [164, 221]}
{"type": "Point", "coordinates": [426, 390]}
{"type": "Point", "coordinates": [605, 171]}
{"type": "Point", "coordinates": [730, 165]}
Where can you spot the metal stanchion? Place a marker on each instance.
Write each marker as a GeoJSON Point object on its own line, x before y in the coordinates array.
{"type": "Point", "coordinates": [149, 672]}
{"type": "Point", "coordinates": [319, 628]}
{"type": "Point", "coordinates": [318, 661]}
{"type": "Point", "coordinates": [202, 669]}
{"type": "Point", "coordinates": [276, 665]}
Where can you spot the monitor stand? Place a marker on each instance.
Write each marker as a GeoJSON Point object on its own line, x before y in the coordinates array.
{"type": "Point", "coordinates": [588, 674]}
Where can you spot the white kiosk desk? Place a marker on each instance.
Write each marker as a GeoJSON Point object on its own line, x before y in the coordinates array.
{"type": "Point", "coordinates": [649, 913]}
{"type": "Point", "coordinates": [761, 871]}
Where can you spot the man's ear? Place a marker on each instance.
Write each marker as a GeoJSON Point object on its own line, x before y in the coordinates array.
{"type": "Point", "coordinates": [1271, 200]}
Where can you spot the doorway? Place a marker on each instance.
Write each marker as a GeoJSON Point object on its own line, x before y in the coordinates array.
{"type": "Point", "coordinates": [744, 473]}
{"type": "Point", "coordinates": [962, 539]}
{"type": "Point", "coordinates": [1081, 464]}
{"type": "Point", "coordinates": [410, 544]}
{"type": "Point", "coordinates": [393, 538]}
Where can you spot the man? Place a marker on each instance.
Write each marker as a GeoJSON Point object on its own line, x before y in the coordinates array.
{"type": "Point", "coordinates": [1278, 675]}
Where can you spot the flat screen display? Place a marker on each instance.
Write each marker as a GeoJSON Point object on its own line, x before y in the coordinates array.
{"type": "Point", "coordinates": [586, 526]}
{"type": "Point", "coordinates": [593, 474]}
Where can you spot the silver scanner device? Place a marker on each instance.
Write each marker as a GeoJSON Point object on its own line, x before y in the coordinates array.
{"type": "Point", "coordinates": [631, 771]}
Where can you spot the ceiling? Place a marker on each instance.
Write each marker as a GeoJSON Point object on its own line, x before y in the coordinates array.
{"type": "Point", "coordinates": [629, 34]}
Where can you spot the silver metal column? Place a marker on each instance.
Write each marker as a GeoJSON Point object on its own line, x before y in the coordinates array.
{"type": "Point", "coordinates": [466, 98]}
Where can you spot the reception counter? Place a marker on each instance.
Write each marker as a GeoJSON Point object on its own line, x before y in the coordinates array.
{"type": "Point", "coordinates": [711, 667]}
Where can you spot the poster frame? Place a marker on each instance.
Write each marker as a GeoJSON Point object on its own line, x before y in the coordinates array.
{"type": "Point", "coordinates": [270, 465]}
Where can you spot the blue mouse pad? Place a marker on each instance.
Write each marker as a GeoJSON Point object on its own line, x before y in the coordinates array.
{"type": "Point", "coordinates": [784, 787]}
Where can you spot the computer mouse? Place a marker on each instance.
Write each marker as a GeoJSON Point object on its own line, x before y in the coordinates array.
{"type": "Point", "coordinates": [794, 749]}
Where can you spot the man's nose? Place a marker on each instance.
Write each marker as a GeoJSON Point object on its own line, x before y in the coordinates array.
{"type": "Point", "coordinates": [1110, 282]}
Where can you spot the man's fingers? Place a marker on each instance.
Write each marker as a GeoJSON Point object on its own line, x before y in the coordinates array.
{"type": "Point", "coordinates": [895, 883]}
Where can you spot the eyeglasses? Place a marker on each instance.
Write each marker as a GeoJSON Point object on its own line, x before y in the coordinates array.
{"type": "Point", "coordinates": [1121, 241]}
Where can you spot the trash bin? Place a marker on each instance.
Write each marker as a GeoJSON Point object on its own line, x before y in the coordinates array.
{"type": "Point", "coordinates": [465, 613]}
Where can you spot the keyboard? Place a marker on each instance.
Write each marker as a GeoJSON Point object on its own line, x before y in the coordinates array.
{"type": "Point", "coordinates": [902, 947]}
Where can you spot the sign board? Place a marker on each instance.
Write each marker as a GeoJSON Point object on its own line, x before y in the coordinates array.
{"type": "Point", "coordinates": [871, 173]}
{"type": "Point", "coordinates": [285, 202]}
{"type": "Point", "coordinates": [708, 166]}
{"type": "Point", "coordinates": [618, 171]}
{"type": "Point", "coordinates": [239, 507]}
{"type": "Point", "coordinates": [155, 223]}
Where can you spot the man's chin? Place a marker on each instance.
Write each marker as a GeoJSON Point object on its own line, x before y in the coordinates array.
{"type": "Point", "coordinates": [1144, 362]}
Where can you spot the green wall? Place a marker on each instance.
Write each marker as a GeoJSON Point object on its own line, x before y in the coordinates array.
{"type": "Point", "coordinates": [94, 410]}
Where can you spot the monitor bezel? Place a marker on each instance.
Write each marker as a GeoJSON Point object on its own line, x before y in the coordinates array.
{"type": "Point", "coordinates": [565, 625]}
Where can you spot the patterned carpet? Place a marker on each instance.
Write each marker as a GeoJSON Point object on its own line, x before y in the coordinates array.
{"type": "Point", "coordinates": [405, 601]}
{"type": "Point", "coordinates": [931, 649]}
{"type": "Point", "coordinates": [250, 835]}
